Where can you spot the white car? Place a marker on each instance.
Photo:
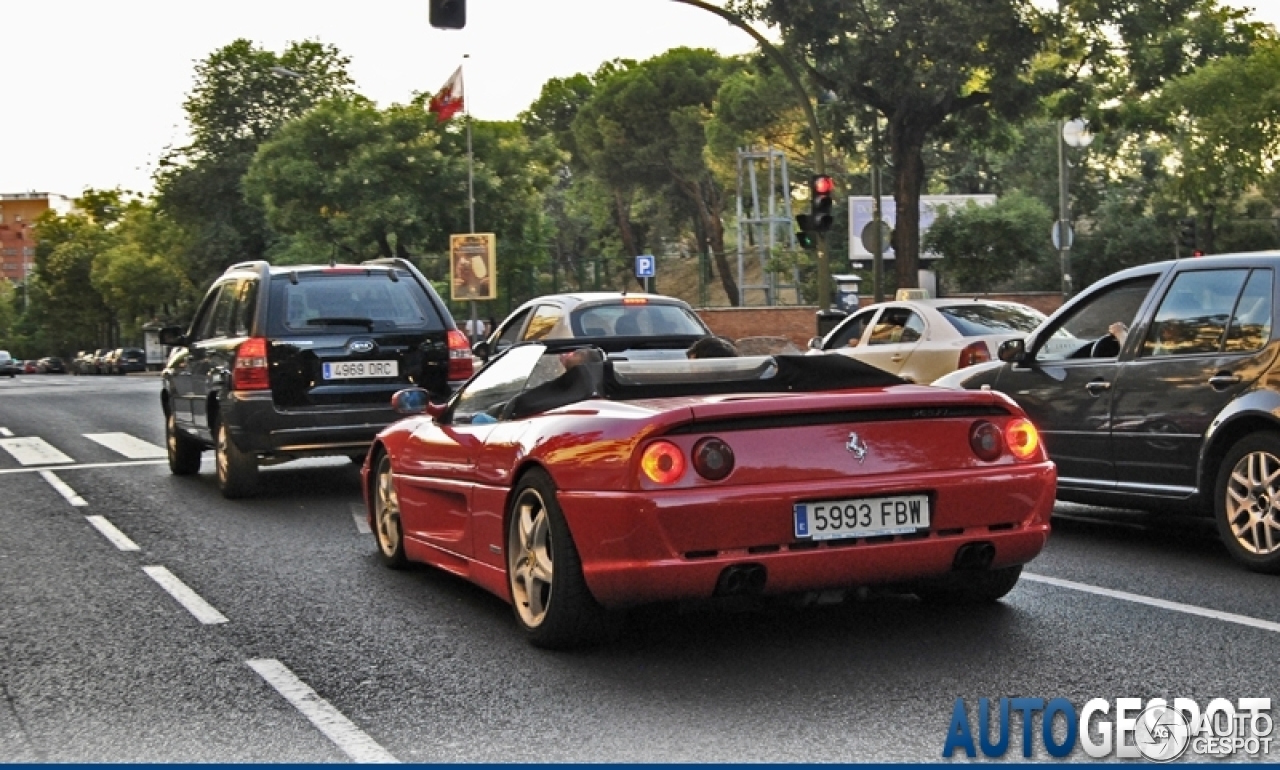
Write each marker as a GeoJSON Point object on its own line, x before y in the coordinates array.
{"type": "Point", "coordinates": [923, 339]}
{"type": "Point", "coordinates": [612, 320]}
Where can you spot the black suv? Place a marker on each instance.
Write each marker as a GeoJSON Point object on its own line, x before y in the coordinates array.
{"type": "Point", "coordinates": [284, 362]}
{"type": "Point", "coordinates": [1159, 388]}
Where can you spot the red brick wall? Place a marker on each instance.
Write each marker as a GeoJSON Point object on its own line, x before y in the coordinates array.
{"type": "Point", "coordinates": [799, 323]}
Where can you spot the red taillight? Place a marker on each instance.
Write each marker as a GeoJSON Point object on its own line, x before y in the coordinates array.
{"type": "Point", "coordinates": [986, 440]}
{"type": "Point", "coordinates": [974, 353]}
{"type": "Point", "coordinates": [461, 365]}
{"type": "Point", "coordinates": [662, 462]}
{"type": "Point", "coordinates": [712, 459]}
{"type": "Point", "coordinates": [250, 369]}
{"type": "Point", "coordinates": [1023, 438]}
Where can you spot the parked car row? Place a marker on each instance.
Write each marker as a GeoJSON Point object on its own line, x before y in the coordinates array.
{"type": "Point", "coordinates": [108, 361]}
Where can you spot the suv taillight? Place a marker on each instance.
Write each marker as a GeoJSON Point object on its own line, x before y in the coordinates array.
{"type": "Point", "coordinates": [461, 364]}
{"type": "Point", "coordinates": [974, 353]}
{"type": "Point", "coordinates": [250, 369]}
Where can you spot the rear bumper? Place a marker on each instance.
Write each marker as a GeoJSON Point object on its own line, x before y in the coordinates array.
{"type": "Point", "coordinates": [645, 547]}
{"type": "Point", "coordinates": [259, 427]}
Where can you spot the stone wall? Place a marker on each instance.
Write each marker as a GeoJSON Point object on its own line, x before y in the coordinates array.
{"type": "Point", "coordinates": [799, 323]}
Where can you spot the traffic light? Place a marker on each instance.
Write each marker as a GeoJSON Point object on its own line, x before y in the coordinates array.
{"type": "Point", "coordinates": [448, 14]}
{"type": "Point", "coordinates": [1187, 234]}
{"type": "Point", "coordinates": [819, 218]}
{"type": "Point", "coordinates": [820, 202]}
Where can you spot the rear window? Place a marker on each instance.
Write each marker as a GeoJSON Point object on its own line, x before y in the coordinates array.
{"type": "Point", "coordinates": [314, 302]}
{"type": "Point", "coordinates": [635, 320]}
{"type": "Point", "coordinates": [976, 319]}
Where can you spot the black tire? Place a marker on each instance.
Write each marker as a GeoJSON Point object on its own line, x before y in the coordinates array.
{"type": "Point", "coordinates": [184, 451]}
{"type": "Point", "coordinates": [237, 471]}
{"type": "Point", "coordinates": [553, 607]}
{"type": "Point", "coordinates": [1247, 502]}
{"type": "Point", "coordinates": [969, 587]}
{"type": "Point", "coordinates": [386, 516]}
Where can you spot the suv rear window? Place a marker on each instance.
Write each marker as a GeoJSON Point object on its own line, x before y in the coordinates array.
{"type": "Point", "coordinates": [311, 302]}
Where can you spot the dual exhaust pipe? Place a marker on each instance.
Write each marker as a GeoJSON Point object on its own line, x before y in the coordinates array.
{"type": "Point", "coordinates": [741, 580]}
{"type": "Point", "coordinates": [750, 579]}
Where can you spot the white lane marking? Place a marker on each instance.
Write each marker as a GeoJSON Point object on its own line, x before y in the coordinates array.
{"type": "Point", "coordinates": [118, 539]}
{"type": "Point", "coordinates": [30, 450]}
{"type": "Point", "coordinates": [342, 731]}
{"type": "Point", "coordinates": [79, 466]}
{"type": "Point", "coordinates": [63, 488]}
{"type": "Point", "coordinates": [130, 446]}
{"type": "Point", "coordinates": [5, 432]}
{"type": "Point", "coordinates": [362, 520]}
{"type": "Point", "coordinates": [1188, 609]}
{"type": "Point", "coordinates": [202, 610]}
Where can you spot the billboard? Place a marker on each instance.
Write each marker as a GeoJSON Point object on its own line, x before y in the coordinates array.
{"type": "Point", "coordinates": [473, 268]}
{"type": "Point", "coordinates": [860, 209]}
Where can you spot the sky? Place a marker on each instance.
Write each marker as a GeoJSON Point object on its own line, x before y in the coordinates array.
{"type": "Point", "coordinates": [100, 83]}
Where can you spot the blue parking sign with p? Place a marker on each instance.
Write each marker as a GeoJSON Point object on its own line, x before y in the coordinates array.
{"type": "Point", "coordinates": [645, 266]}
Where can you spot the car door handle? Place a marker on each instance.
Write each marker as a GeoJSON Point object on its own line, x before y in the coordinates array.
{"type": "Point", "coordinates": [1223, 381]}
{"type": "Point", "coordinates": [1097, 387]}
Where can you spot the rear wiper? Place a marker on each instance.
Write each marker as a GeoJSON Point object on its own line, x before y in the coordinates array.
{"type": "Point", "coordinates": [365, 322]}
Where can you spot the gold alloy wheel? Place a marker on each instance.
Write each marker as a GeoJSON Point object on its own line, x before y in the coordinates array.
{"type": "Point", "coordinates": [529, 558]}
{"type": "Point", "coordinates": [1253, 501]}
{"type": "Point", "coordinates": [386, 511]}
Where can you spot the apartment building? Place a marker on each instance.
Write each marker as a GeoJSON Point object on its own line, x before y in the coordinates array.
{"type": "Point", "coordinates": [18, 213]}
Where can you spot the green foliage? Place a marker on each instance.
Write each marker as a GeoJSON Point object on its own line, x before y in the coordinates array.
{"type": "Point", "coordinates": [237, 103]}
{"type": "Point", "coordinates": [985, 247]}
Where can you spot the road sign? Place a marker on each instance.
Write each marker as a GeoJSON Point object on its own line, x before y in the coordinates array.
{"type": "Point", "coordinates": [645, 266]}
{"type": "Point", "coordinates": [1059, 227]}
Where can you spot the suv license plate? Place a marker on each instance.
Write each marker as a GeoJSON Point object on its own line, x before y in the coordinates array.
{"type": "Point", "coordinates": [865, 517]}
{"type": "Point", "coordinates": [351, 370]}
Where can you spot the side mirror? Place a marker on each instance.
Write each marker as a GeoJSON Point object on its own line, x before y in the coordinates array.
{"type": "Point", "coordinates": [172, 336]}
{"type": "Point", "coordinates": [815, 343]}
{"type": "Point", "coordinates": [481, 349]}
{"type": "Point", "coordinates": [411, 401]}
{"type": "Point", "coordinates": [1012, 351]}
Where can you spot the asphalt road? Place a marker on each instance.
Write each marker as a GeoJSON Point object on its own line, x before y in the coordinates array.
{"type": "Point", "coordinates": [288, 642]}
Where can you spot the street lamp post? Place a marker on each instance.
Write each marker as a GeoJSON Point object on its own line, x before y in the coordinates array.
{"type": "Point", "coordinates": [1074, 133]}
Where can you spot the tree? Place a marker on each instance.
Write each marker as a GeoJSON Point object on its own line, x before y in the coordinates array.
{"type": "Point", "coordinates": [240, 99]}
{"type": "Point", "coordinates": [645, 128]}
{"type": "Point", "coordinates": [984, 246]}
{"type": "Point", "coordinates": [931, 68]}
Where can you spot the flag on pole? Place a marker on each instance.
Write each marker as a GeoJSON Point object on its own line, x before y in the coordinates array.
{"type": "Point", "coordinates": [449, 99]}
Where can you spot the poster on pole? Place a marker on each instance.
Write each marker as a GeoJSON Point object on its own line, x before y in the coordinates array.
{"type": "Point", "coordinates": [473, 266]}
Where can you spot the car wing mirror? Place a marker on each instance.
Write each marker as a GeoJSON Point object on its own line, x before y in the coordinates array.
{"type": "Point", "coordinates": [481, 349]}
{"type": "Point", "coordinates": [1012, 351]}
{"type": "Point", "coordinates": [412, 401]}
{"type": "Point", "coordinates": [815, 343]}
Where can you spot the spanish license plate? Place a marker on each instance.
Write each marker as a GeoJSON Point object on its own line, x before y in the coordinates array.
{"type": "Point", "coordinates": [352, 370]}
{"type": "Point", "coordinates": [863, 517]}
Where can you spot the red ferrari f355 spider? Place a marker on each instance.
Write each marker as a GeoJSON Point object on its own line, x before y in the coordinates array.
{"type": "Point", "coordinates": [573, 485]}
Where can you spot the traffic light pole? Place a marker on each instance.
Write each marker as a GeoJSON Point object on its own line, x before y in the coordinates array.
{"type": "Point", "coordinates": [819, 158]}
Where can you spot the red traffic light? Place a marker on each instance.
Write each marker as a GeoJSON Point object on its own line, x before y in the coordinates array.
{"type": "Point", "coordinates": [823, 185]}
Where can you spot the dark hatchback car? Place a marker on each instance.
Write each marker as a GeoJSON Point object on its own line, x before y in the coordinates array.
{"type": "Point", "coordinates": [285, 362]}
{"type": "Point", "coordinates": [1179, 411]}
{"type": "Point", "coordinates": [126, 360]}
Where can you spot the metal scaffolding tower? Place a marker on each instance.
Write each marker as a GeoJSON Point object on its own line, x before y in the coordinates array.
{"type": "Point", "coordinates": [760, 219]}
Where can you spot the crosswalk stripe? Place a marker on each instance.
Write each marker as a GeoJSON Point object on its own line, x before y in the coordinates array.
{"type": "Point", "coordinates": [130, 446]}
{"type": "Point", "coordinates": [30, 450]}
{"type": "Point", "coordinates": [5, 432]}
